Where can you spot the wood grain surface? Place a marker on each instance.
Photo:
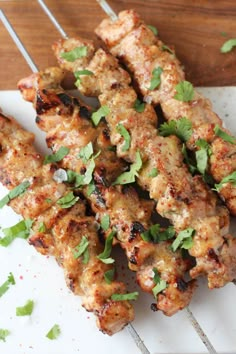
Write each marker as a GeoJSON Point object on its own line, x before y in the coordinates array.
{"type": "Point", "coordinates": [197, 29]}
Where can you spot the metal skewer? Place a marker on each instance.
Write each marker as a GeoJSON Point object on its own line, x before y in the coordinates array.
{"type": "Point", "coordinates": [130, 328]}
{"type": "Point", "coordinates": [109, 11]}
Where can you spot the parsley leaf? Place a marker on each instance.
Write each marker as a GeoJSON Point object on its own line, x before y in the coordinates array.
{"type": "Point", "coordinates": [228, 179]}
{"type": "Point", "coordinates": [104, 256]}
{"type": "Point", "coordinates": [184, 239]}
{"type": "Point", "coordinates": [58, 156]}
{"type": "Point", "coordinates": [129, 177]}
{"type": "Point", "coordinates": [5, 286]}
{"type": "Point", "coordinates": [153, 29]}
{"type": "Point", "coordinates": [124, 132]}
{"type": "Point", "coordinates": [153, 173]}
{"type": "Point", "coordinates": [154, 234]}
{"type": "Point", "coordinates": [105, 222]}
{"type": "Point", "coordinates": [3, 334]}
{"type": "Point", "coordinates": [79, 73]}
{"type": "Point", "coordinates": [103, 111]}
{"type": "Point", "coordinates": [76, 53]}
{"type": "Point", "coordinates": [182, 128]}
{"type": "Point", "coordinates": [54, 332]}
{"type": "Point", "coordinates": [139, 106]}
{"type": "Point", "coordinates": [156, 78]}
{"type": "Point", "coordinates": [202, 155]}
{"type": "Point", "coordinates": [82, 249]}
{"type": "Point", "coordinates": [185, 91]}
{"type": "Point", "coordinates": [109, 275]}
{"type": "Point", "coordinates": [15, 192]}
{"type": "Point", "coordinates": [19, 230]}
{"type": "Point", "coordinates": [160, 283]}
{"type": "Point", "coordinates": [25, 310]}
{"type": "Point", "coordinates": [86, 152]}
{"type": "Point", "coordinates": [68, 200]}
{"type": "Point", "coordinates": [125, 297]}
{"type": "Point", "coordinates": [223, 135]}
{"type": "Point", "coordinates": [228, 45]}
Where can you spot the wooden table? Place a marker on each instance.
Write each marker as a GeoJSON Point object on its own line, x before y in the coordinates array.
{"type": "Point", "coordinates": [196, 28]}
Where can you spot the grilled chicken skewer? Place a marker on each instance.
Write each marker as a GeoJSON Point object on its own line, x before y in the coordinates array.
{"type": "Point", "coordinates": [135, 44]}
{"type": "Point", "coordinates": [185, 200]}
{"type": "Point", "coordinates": [58, 229]}
{"type": "Point", "coordinates": [66, 121]}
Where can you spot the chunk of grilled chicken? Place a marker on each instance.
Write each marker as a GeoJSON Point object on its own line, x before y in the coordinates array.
{"type": "Point", "coordinates": [128, 214]}
{"type": "Point", "coordinates": [141, 51]}
{"type": "Point", "coordinates": [185, 200]}
{"type": "Point", "coordinates": [64, 228]}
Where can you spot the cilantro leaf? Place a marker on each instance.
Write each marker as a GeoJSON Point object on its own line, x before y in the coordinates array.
{"type": "Point", "coordinates": [104, 256]}
{"type": "Point", "coordinates": [79, 73]}
{"type": "Point", "coordinates": [185, 91]}
{"type": "Point", "coordinates": [153, 173]}
{"type": "Point", "coordinates": [5, 286]}
{"type": "Point", "coordinates": [109, 275]}
{"type": "Point", "coordinates": [160, 283]}
{"type": "Point", "coordinates": [188, 160]}
{"type": "Point", "coordinates": [82, 249]}
{"type": "Point", "coordinates": [54, 332]}
{"type": "Point", "coordinates": [15, 192]}
{"type": "Point", "coordinates": [91, 188]}
{"type": "Point", "coordinates": [129, 177]}
{"type": "Point", "coordinates": [125, 297]}
{"type": "Point", "coordinates": [19, 230]}
{"type": "Point", "coordinates": [153, 29]}
{"type": "Point", "coordinates": [3, 334]}
{"type": "Point", "coordinates": [124, 132]}
{"type": "Point", "coordinates": [155, 235]}
{"type": "Point", "coordinates": [57, 156]}
{"type": "Point", "coordinates": [25, 310]}
{"type": "Point", "coordinates": [76, 53]}
{"type": "Point", "coordinates": [103, 111]}
{"type": "Point", "coordinates": [156, 78]}
{"type": "Point", "coordinates": [105, 222]}
{"type": "Point", "coordinates": [68, 200]}
{"type": "Point", "coordinates": [139, 106]}
{"type": "Point", "coordinates": [184, 239]}
{"type": "Point", "coordinates": [42, 227]}
{"type": "Point", "coordinates": [202, 155]}
{"type": "Point", "coordinates": [182, 128]}
{"type": "Point", "coordinates": [86, 152]}
{"type": "Point", "coordinates": [167, 49]}
{"type": "Point", "coordinates": [228, 179]}
{"type": "Point", "coordinates": [223, 135]}
{"type": "Point", "coordinates": [228, 45]}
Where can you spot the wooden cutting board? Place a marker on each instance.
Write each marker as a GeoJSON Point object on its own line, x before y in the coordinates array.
{"type": "Point", "coordinates": [196, 28]}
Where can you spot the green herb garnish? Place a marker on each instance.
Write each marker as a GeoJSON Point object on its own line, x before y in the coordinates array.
{"type": "Point", "coordinates": [109, 275]}
{"type": "Point", "coordinates": [25, 310]}
{"type": "Point", "coordinates": [82, 249]}
{"type": "Point", "coordinates": [105, 222]}
{"type": "Point", "coordinates": [3, 334]}
{"type": "Point", "coordinates": [19, 230]}
{"type": "Point", "coordinates": [6, 285]}
{"type": "Point", "coordinates": [155, 235]}
{"type": "Point", "coordinates": [129, 177]}
{"type": "Point", "coordinates": [167, 49]}
{"type": "Point", "coordinates": [160, 283]}
{"type": "Point", "coordinates": [202, 155]}
{"type": "Point", "coordinates": [76, 53]}
{"type": "Point", "coordinates": [105, 255]}
{"type": "Point", "coordinates": [228, 45]}
{"type": "Point", "coordinates": [228, 179]}
{"type": "Point", "coordinates": [15, 192]}
{"type": "Point", "coordinates": [223, 135]}
{"type": "Point", "coordinates": [58, 156]}
{"type": "Point", "coordinates": [103, 111]}
{"type": "Point", "coordinates": [54, 332]}
{"type": "Point", "coordinates": [42, 227]}
{"type": "Point", "coordinates": [68, 200]}
{"type": "Point", "coordinates": [156, 78]}
{"type": "Point", "coordinates": [80, 73]}
{"type": "Point", "coordinates": [182, 128]}
{"type": "Point", "coordinates": [124, 132]}
{"type": "Point", "coordinates": [188, 160]}
{"type": "Point", "coordinates": [86, 152]}
{"type": "Point", "coordinates": [185, 91]}
{"type": "Point", "coordinates": [125, 297]}
{"type": "Point", "coordinates": [139, 106]}
{"type": "Point", "coordinates": [153, 173]}
{"type": "Point", "coordinates": [153, 29]}
{"type": "Point", "coordinates": [184, 239]}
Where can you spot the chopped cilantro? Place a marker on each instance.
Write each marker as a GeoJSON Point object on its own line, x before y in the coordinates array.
{"type": "Point", "coordinates": [104, 256]}
{"type": "Point", "coordinates": [188, 160]}
{"type": "Point", "coordinates": [167, 49]}
{"type": "Point", "coordinates": [103, 111]}
{"type": "Point", "coordinates": [228, 45]}
{"type": "Point", "coordinates": [228, 179]}
{"type": "Point", "coordinates": [125, 297]}
{"type": "Point", "coordinates": [42, 227]}
{"type": "Point", "coordinates": [48, 200]}
{"type": "Point", "coordinates": [82, 249]}
{"type": "Point", "coordinates": [54, 332]}
{"type": "Point", "coordinates": [184, 239]}
{"type": "Point", "coordinates": [91, 188]}
{"type": "Point", "coordinates": [25, 310]}
{"type": "Point", "coordinates": [15, 192]}
{"type": "Point", "coordinates": [19, 230]}
{"type": "Point", "coordinates": [160, 283]}
{"type": "Point", "coordinates": [5, 286]}
{"type": "Point", "coordinates": [139, 106]}
{"type": "Point", "coordinates": [105, 222]}
{"type": "Point", "coordinates": [154, 234]}
{"type": "Point", "coordinates": [156, 78]}
{"type": "Point", "coordinates": [76, 53]}
{"type": "Point", "coordinates": [202, 155]}
{"type": "Point", "coordinates": [124, 132]}
{"type": "Point", "coordinates": [57, 156]}
{"type": "Point", "coordinates": [185, 91]}
{"type": "Point", "coordinates": [182, 128]}
{"type": "Point", "coordinates": [3, 334]}
{"type": "Point", "coordinates": [223, 135]}
{"type": "Point", "coordinates": [153, 173]}
{"type": "Point", "coordinates": [109, 275]}
{"type": "Point", "coordinates": [80, 73]}
{"type": "Point", "coordinates": [153, 29]}
{"type": "Point", "coordinates": [86, 152]}
{"type": "Point", "coordinates": [68, 200]}
{"type": "Point", "coordinates": [129, 177]}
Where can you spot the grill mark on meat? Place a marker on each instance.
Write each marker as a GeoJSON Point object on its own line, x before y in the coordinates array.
{"type": "Point", "coordinates": [135, 230]}
{"type": "Point", "coordinates": [106, 134]}
{"type": "Point", "coordinates": [42, 106]}
{"type": "Point", "coordinates": [65, 99]}
{"type": "Point", "coordinates": [153, 307]}
{"type": "Point", "coordinates": [133, 257]}
{"type": "Point", "coordinates": [181, 284]}
{"type": "Point", "coordinates": [84, 112]}
{"type": "Point", "coordinates": [213, 255]}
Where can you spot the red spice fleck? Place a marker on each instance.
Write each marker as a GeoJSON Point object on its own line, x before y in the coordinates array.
{"type": "Point", "coordinates": [21, 277]}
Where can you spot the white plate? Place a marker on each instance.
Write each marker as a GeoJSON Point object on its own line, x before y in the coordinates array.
{"type": "Point", "coordinates": [39, 278]}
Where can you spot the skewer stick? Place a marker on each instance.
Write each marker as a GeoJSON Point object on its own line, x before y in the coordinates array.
{"type": "Point", "coordinates": [130, 328]}
{"type": "Point", "coordinates": [106, 7]}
